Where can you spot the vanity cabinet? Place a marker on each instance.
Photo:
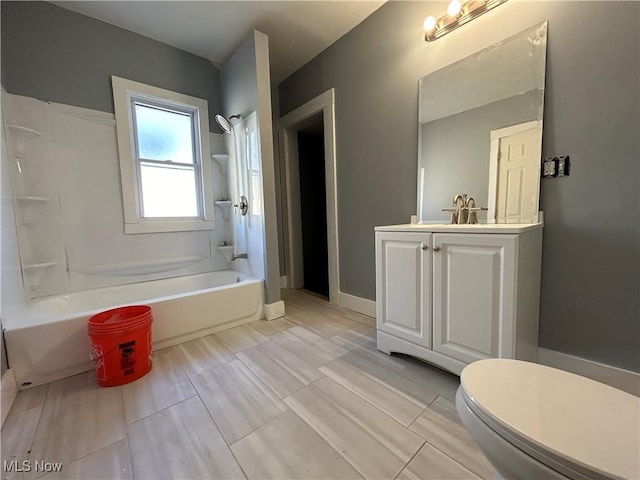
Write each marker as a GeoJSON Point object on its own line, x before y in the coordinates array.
{"type": "Point", "coordinates": [404, 264]}
{"type": "Point", "coordinates": [451, 295]}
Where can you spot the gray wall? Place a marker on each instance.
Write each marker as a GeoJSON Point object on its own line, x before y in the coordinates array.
{"type": "Point", "coordinates": [454, 166]}
{"type": "Point", "coordinates": [238, 80]}
{"type": "Point", "coordinates": [590, 285]}
{"type": "Point", "coordinates": [53, 54]}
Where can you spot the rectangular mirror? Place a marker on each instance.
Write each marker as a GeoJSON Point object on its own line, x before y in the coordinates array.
{"type": "Point", "coordinates": [486, 106]}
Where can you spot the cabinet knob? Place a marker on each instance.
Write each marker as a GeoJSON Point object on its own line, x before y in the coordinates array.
{"type": "Point", "coordinates": [424, 247]}
{"type": "Point", "coordinates": [436, 249]}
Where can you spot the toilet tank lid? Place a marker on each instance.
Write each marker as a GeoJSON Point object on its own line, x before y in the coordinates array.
{"type": "Point", "coordinates": [581, 421]}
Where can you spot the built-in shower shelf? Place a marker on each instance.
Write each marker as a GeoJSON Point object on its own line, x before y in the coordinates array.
{"type": "Point", "coordinates": [34, 272]}
{"type": "Point", "coordinates": [30, 199]}
{"type": "Point", "coordinates": [21, 136]}
{"type": "Point", "coordinates": [222, 159]}
{"type": "Point", "coordinates": [25, 132]}
{"type": "Point", "coordinates": [28, 207]}
{"type": "Point", "coordinates": [227, 251]}
{"type": "Point", "coordinates": [35, 267]}
{"type": "Point", "coordinates": [224, 206]}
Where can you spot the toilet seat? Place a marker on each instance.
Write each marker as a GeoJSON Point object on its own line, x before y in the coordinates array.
{"type": "Point", "coordinates": [575, 425]}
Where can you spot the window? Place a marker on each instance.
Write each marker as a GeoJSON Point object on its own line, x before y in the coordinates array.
{"type": "Point", "coordinates": [162, 141]}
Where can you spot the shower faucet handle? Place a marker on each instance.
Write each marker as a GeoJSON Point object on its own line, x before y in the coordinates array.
{"type": "Point", "coordinates": [243, 205]}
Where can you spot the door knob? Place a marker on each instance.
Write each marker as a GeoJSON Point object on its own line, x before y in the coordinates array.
{"type": "Point", "coordinates": [424, 247]}
{"type": "Point", "coordinates": [436, 249]}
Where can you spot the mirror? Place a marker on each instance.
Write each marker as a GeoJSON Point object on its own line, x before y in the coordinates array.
{"type": "Point", "coordinates": [494, 92]}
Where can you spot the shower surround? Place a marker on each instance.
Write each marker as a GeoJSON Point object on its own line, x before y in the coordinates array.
{"type": "Point", "coordinates": [65, 184]}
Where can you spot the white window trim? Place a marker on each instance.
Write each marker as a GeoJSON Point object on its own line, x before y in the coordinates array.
{"type": "Point", "coordinates": [123, 90]}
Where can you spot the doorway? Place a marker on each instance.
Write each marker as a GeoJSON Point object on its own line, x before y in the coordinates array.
{"type": "Point", "coordinates": [313, 209]}
{"type": "Point", "coordinates": [319, 109]}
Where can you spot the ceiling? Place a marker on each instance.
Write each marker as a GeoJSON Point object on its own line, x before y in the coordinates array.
{"type": "Point", "coordinates": [297, 30]}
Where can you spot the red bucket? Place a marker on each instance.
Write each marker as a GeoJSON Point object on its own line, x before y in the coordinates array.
{"type": "Point", "coordinates": [121, 340]}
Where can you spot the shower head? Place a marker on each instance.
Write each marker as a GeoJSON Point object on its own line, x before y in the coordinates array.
{"type": "Point", "coordinates": [225, 124]}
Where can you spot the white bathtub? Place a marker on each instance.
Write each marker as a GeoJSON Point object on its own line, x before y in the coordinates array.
{"type": "Point", "coordinates": [47, 339]}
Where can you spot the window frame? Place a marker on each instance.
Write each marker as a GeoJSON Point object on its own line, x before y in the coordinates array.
{"type": "Point", "coordinates": [125, 94]}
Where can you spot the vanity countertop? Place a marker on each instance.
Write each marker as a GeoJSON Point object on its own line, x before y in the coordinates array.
{"type": "Point", "coordinates": [449, 228]}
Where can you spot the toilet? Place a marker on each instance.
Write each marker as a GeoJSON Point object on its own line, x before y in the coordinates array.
{"type": "Point", "coordinates": [537, 422]}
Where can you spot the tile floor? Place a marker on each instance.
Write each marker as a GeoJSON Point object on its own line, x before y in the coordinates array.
{"type": "Point", "coordinates": [305, 396]}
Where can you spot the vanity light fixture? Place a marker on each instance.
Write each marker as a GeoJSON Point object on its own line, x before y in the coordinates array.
{"type": "Point", "coordinates": [458, 13]}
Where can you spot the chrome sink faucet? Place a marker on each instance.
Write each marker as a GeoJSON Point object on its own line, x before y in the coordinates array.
{"type": "Point", "coordinates": [472, 211]}
{"type": "Point", "coordinates": [460, 201]}
{"type": "Point", "coordinates": [464, 210]}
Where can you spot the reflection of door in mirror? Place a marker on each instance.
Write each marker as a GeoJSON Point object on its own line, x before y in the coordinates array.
{"type": "Point", "coordinates": [514, 180]}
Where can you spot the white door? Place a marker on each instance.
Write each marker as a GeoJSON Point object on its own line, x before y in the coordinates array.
{"type": "Point", "coordinates": [473, 295]}
{"type": "Point", "coordinates": [518, 189]}
{"type": "Point", "coordinates": [403, 285]}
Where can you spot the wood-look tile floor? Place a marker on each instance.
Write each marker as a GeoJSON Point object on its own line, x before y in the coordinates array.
{"type": "Point", "coordinates": [304, 396]}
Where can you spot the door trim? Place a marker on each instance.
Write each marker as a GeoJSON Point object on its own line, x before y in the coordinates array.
{"type": "Point", "coordinates": [288, 126]}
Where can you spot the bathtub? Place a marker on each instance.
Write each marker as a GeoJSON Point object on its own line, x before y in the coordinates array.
{"type": "Point", "coordinates": [47, 339]}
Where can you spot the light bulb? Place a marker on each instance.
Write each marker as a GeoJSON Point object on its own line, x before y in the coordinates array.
{"type": "Point", "coordinates": [429, 23]}
{"type": "Point", "coordinates": [454, 8]}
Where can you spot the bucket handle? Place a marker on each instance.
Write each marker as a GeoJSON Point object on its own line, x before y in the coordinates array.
{"type": "Point", "coordinates": [96, 358]}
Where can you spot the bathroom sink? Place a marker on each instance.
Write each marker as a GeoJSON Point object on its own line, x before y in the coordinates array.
{"type": "Point", "coordinates": [471, 228]}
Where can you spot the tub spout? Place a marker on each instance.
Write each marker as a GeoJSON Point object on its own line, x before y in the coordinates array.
{"type": "Point", "coordinates": [240, 255]}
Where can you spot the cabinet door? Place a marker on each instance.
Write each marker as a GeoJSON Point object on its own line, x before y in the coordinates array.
{"type": "Point", "coordinates": [403, 285]}
{"type": "Point", "coordinates": [473, 303]}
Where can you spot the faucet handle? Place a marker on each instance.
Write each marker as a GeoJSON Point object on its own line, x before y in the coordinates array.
{"type": "Point", "coordinates": [473, 214]}
{"type": "Point", "coordinates": [455, 212]}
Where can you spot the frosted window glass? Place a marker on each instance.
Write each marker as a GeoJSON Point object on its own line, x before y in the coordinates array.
{"type": "Point", "coordinates": [164, 134]}
{"type": "Point", "coordinates": [168, 191]}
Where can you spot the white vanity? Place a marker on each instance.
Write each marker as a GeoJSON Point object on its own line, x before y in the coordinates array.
{"type": "Point", "coordinates": [453, 294]}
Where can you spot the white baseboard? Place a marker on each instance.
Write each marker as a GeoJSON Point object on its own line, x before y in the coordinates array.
{"type": "Point", "coordinates": [274, 310]}
{"type": "Point", "coordinates": [8, 393]}
{"type": "Point", "coordinates": [357, 304]}
{"type": "Point", "coordinates": [284, 281]}
{"type": "Point", "coordinates": [616, 377]}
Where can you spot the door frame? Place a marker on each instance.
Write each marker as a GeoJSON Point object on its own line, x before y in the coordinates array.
{"type": "Point", "coordinates": [494, 151]}
{"type": "Point", "coordinates": [288, 127]}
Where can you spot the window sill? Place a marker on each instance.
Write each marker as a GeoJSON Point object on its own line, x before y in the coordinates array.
{"type": "Point", "coordinates": [161, 226]}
